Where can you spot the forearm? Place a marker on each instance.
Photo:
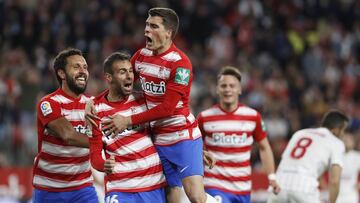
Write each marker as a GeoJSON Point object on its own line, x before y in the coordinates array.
{"type": "Point", "coordinates": [266, 156]}
{"type": "Point", "coordinates": [96, 145]}
{"type": "Point", "coordinates": [78, 140]}
{"type": "Point", "coordinates": [333, 192]}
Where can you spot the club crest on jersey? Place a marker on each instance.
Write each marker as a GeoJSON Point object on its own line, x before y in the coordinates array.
{"type": "Point", "coordinates": [45, 108]}
{"type": "Point", "coordinates": [182, 76]}
{"type": "Point", "coordinates": [151, 87]}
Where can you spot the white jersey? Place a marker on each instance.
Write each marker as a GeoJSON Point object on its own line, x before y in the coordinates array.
{"type": "Point", "coordinates": [309, 153]}
{"type": "Point", "coordinates": [349, 178]}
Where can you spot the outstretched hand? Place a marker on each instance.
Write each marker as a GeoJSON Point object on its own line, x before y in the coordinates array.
{"type": "Point", "coordinates": [115, 124]}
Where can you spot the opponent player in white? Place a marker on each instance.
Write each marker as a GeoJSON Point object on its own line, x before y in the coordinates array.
{"type": "Point", "coordinates": [349, 186]}
{"type": "Point", "coordinates": [308, 155]}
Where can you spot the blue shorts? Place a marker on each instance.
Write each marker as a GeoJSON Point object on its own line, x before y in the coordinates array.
{"type": "Point", "coordinates": [182, 160]}
{"type": "Point", "coordinates": [157, 196]}
{"type": "Point", "coordinates": [83, 195]}
{"type": "Point", "coordinates": [226, 197]}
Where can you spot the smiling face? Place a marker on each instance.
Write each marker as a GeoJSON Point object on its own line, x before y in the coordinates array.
{"type": "Point", "coordinates": [158, 38]}
{"type": "Point", "coordinates": [228, 90]}
{"type": "Point", "coordinates": [122, 78]}
{"type": "Point", "coordinates": [76, 74]}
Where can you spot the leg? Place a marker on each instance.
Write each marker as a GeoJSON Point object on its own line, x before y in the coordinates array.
{"type": "Point", "coordinates": [194, 188]}
{"type": "Point", "coordinates": [174, 194]}
{"type": "Point", "coordinates": [84, 195]}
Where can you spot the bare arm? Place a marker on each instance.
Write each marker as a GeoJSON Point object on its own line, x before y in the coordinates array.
{"type": "Point", "coordinates": [267, 159]}
{"type": "Point", "coordinates": [64, 130]}
{"type": "Point", "coordinates": [334, 182]}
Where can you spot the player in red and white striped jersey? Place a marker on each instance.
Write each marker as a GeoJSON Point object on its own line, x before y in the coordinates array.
{"type": "Point", "coordinates": [133, 167]}
{"type": "Point", "coordinates": [62, 168]}
{"type": "Point", "coordinates": [309, 153]}
{"type": "Point", "coordinates": [229, 129]}
{"type": "Point", "coordinates": [165, 73]}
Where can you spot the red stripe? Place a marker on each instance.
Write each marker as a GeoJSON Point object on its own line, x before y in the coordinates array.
{"type": "Point", "coordinates": [133, 174]}
{"type": "Point", "coordinates": [227, 178]}
{"type": "Point", "coordinates": [126, 140]}
{"type": "Point", "coordinates": [246, 192]}
{"type": "Point", "coordinates": [228, 149]}
{"type": "Point", "coordinates": [229, 117]}
{"type": "Point", "coordinates": [63, 177]}
{"type": "Point", "coordinates": [54, 140]}
{"type": "Point", "coordinates": [144, 189]}
{"type": "Point", "coordinates": [138, 155]}
{"type": "Point", "coordinates": [232, 164]}
{"type": "Point", "coordinates": [63, 160]}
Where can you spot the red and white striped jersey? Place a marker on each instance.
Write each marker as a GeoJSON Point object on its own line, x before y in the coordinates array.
{"type": "Point", "coordinates": [138, 167]}
{"type": "Point", "coordinates": [309, 153]}
{"type": "Point", "coordinates": [228, 136]}
{"type": "Point", "coordinates": [58, 166]}
{"type": "Point", "coordinates": [171, 70]}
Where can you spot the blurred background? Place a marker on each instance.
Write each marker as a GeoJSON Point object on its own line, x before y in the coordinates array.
{"type": "Point", "coordinates": [298, 58]}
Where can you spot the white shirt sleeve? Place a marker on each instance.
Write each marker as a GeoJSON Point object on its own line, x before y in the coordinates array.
{"type": "Point", "coordinates": [337, 154]}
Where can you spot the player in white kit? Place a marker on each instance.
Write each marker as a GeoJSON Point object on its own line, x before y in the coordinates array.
{"type": "Point", "coordinates": [349, 187]}
{"type": "Point", "coordinates": [308, 155]}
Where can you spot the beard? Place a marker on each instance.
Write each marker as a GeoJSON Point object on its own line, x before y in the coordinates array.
{"type": "Point", "coordinates": [72, 85]}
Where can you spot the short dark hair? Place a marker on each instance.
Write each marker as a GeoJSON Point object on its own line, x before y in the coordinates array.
{"type": "Point", "coordinates": [61, 60]}
{"type": "Point", "coordinates": [170, 18]}
{"type": "Point", "coordinates": [230, 70]}
{"type": "Point", "coordinates": [116, 56]}
{"type": "Point", "coordinates": [334, 119]}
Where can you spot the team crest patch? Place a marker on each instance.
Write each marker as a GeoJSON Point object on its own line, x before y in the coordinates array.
{"type": "Point", "coordinates": [182, 76]}
{"type": "Point", "coordinates": [45, 108]}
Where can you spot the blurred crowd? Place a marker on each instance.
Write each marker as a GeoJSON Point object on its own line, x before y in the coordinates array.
{"type": "Point", "coordinates": [298, 57]}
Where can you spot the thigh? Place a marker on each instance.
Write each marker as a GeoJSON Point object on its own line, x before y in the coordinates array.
{"type": "Point", "coordinates": [300, 197]}
{"type": "Point", "coordinates": [117, 197]}
{"type": "Point", "coordinates": [84, 195]}
{"type": "Point", "coordinates": [42, 196]}
{"type": "Point", "coordinates": [185, 158]}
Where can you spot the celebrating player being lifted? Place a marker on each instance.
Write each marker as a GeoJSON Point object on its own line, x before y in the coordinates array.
{"type": "Point", "coordinates": [166, 76]}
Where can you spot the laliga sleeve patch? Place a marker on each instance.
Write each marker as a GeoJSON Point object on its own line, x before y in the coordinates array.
{"type": "Point", "coordinates": [45, 108]}
{"type": "Point", "coordinates": [182, 76]}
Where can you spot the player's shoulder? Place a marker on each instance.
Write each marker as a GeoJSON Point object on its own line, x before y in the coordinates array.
{"type": "Point", "coordinates": [212, 111]}
{"type": "Point", "coordinates": [244, 110]}
{"type": "Point", "coordinates": [55, 97]}
{"type": "Point", "coordinates": [137, 96]}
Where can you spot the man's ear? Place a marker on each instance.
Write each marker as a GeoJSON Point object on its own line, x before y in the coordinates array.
{"type": "Point", "coordinates": [61, 74]}
{"type": "Point", "coordinates": [108, 77]}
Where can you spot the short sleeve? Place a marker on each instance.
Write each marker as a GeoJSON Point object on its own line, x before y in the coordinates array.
{"type": "Point", "coordinates": [337, 154]}
{"type": "Point", "coordinates": [180, 77]}
{"type": "Point", "coordinates": [260, 130]}
{"type": "Point", "coordinates": [48, 110]}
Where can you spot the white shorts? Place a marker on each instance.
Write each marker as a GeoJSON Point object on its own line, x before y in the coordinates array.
{"type": "Point", "coordinates": [288, 196]}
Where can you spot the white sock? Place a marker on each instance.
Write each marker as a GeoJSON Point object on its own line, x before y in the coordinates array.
{"type": "Point", "coordinates": [210, 199]}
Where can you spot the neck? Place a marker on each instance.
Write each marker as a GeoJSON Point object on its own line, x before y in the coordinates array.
{"type": "Point", "coordinates": [163, 49]}
{"type": "Point", "coordinates": [229, 107]}
{"type": "Point", "coordinates": [69, 92]}
{"type": "Point", "coordinates": [114, 96]}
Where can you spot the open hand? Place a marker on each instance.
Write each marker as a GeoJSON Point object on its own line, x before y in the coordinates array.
{"type": "Point", "coordinates": [90, 113]}
{"type": "Point", "coordinates": [208, 159]}
{"type": "Point", "coordinates": [115, 124]}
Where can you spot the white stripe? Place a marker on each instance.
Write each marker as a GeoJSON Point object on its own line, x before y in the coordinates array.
{"type": "Point", "coordinates": [173, 137]}
{"type": "Point", "coordinates": [102, 107]}
{"type": "Point", "coordinates": [146, 52]}
{"type": "Point", "coordinates": [245, 111]}
{"type": "Point", "coordinates": [233, 157]}
{"type": "Point", "coordinates": [48, 182]}
{"type": "Point", "coordinates": [214, 111]}
{"type": "Point", "coordinates": [70, 169]}
{"type": "Point", "coordinates": [63, 151]}
{"type": "Point", "coordinates": [229, 185]}
{"type": "Point", "coordinates": [172, 56]}
{"type": "Point", "coordinates": [85, 99]}
{"type": "Point", "coordinates": [134, 147]}
{"type": "Point", "coordinates": [136, 182]}
{"type": "Point", "coordinates": [153, 70]}
{"type": "Point", "coordinates": [180, 104]}
{"type": "Point", "coordinates": [138, 164]}
{"type": "Point", "coordinates": [229, 125]}
{"type": "Point", "coordinates": [177, 120]}
{"type": "Point", "coordinates": [221, 143]}
{"type": "Point", "coordinates": [191, 118]}
{"type": "Point", "coordinates": [230, 171]}
{"type": "Point", "coordinates": [61, 99]}
{"type": "Point", "coordinates": [74, 114]}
